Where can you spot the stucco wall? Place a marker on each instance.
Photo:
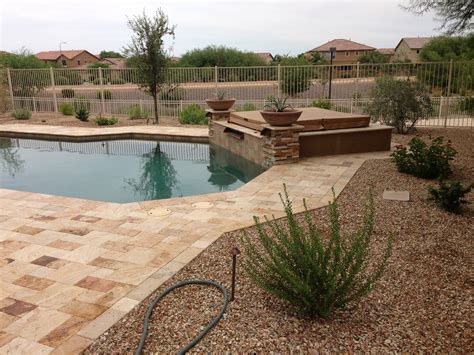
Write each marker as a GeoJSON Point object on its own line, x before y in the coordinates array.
{"type": "Point", "coordinates": [403, 52]}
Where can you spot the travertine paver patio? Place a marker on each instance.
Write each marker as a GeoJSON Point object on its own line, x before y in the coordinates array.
{"type": "Point", "coordinates": [71, 268]}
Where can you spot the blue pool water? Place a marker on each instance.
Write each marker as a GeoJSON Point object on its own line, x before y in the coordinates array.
{"type": "Point", "coordinates": [121, 170]}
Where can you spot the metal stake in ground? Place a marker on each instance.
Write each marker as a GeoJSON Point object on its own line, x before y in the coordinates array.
{"type": "Point", "coordinates": [235, 252]}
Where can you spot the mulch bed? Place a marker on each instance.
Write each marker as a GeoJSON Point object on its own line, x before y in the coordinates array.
{"type": "Point", "coordinates": [422, 303]}
{"type": "Point", "coordinates": [51, 119]}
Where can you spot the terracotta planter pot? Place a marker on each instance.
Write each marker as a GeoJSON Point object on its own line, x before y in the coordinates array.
{"type": "Point", "coordinates": [220, 105]}
{"type": "Point", "coordinates": [286, 118]}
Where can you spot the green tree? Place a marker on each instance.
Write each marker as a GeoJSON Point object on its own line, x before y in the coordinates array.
{"type": "Point", "coordinates": [318, 59]}
{"type": "Point", "coordinates": [443, 49]}
{"type": "Point", "coordinates": [98, 65]}
{"type": "Point", "coordinates": [295, 74]}
{"type": "Point", "coordinates": [148, 50]}
{"type": "Point", "coordinates": [110, 54]}
{"type": "Point", "coordinates": [220, 56]}
{"type": "Point", "coordinates": [23, 59]}
{"type": "Point", "coordinates": [158, 176]}
{"type": "Point", "coordinates": [398, 103]}
{"type": "Point", "coordinates": [455, 15]}
{"type": "Point", "coordinates": [373, 57]}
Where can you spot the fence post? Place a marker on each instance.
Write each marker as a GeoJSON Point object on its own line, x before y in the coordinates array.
{"type": "Point", "coordinates": [448, 94]}
{"type": "Point", "coordinates": [55, 100]}
{"type": "Point", "coordinates": [215, 79]}
{"type": "Point", "coordinates": [180, 109]}
{"type": "Point", "coordinates": [440, 113]}
{"type": "Point", "coordinates": [102, 101]}
{"type": "Point", "coordinates": [356, 85]}
{"type": "Point", "coordinates": [34, 104]}
{"type": "Point", "coordinates": [279, 79]}
{"type": "Point", "coordinates": [10, 88]}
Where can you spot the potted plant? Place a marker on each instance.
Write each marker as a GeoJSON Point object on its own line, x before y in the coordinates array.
{"type": "Point", "coordinates": [278, 113]}
{"type": "Point", "coordinates": [220, 103]}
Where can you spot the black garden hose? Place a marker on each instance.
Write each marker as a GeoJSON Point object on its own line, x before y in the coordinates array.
{"type": "Point", "coordinates": [198, 338]}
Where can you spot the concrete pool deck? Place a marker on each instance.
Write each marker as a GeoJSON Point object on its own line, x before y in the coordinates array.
{"type": "Point", "coordinates": [71, 268]}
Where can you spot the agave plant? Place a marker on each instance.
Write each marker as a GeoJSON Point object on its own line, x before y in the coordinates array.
{"type": "Point", "coordinates": [277, 104]}
{"type": "Point", "coordinates": [220, 95]}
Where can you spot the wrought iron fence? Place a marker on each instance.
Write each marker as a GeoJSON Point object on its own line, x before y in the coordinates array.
{"type": "Point", "coordinates": [116, 91]}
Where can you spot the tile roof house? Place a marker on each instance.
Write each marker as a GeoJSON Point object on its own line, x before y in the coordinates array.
{"type": "Point", "coordinates": [68, 58]}
{"type": "Point", "coordinates": [347, 51]}
{"type": "Point", "coordinates": [387, 52]}
{"type": "Point", "coordinates": [266, 56]}
{"type": "Point", "coordinates": [409, 48]}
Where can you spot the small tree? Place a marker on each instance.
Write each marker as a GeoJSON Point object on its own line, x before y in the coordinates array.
{"type": "Point", "coordinates": [373, 57]}
{"type": "Point", "coordinates": [148, 50]}
{"type": "Point", "coordinates": [296, 75]}
{"type": "Point", "coordinates": [295, 263]}
{"type": "Point", "coordinates": [398, 103]}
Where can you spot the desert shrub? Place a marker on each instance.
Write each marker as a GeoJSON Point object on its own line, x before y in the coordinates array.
{"type": "Point", "coordinates": [467, 105]}
{"type": "Point", "coordinates": [193, 114]}
{"type": "Point", "coordinates": [294, 261]}
{"type": "Point", "coordinates": [82, 113]}
{"type": "Point", "coordinates": [135, 112]}
{"type": "Point", "coordinates": [321, 104]}
{"type": "Point", "coordinates": [248, 106]}
{"type": "Point", "coordinates": [421, 160]}
{"type": "Point", "coordinates": [66, 109]}
{"type": "Point", "coordinates": [295, 80]}
{"type": "Point", "coordinates": [169, 93]}
{"type": "Point", "coordinates": [67, 93]}
{"type": "Point", "coordinates": [117, 81]}
{"type": "Point", "coordinates": [449, 195]}
{"type": "Point", "coordinates": [107, 95]}
{"type": "Point", "coordinates": [104, 121]}
{"type": "Point", "coordinates": [22, 114]}
{"type": "Point", "coordinates": [399, 103]}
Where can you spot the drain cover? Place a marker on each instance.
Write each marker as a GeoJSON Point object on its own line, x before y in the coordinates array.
{"type": "Point", "coordinates": [202, 204]}
{"type": "Point", "coordinates": [157, 212]}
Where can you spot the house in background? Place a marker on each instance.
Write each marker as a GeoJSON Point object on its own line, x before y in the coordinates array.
{"type": "Point", "coordinates": [266, 56]}
{"type": "Point", "coordinates": [114, 63]}
{"type": "Point", "coordinates": [68, 58]}
{"type": "Point", "coordinates": [387, 53]}
{"type": "Point", "coordinates": [347, 52]}
{"type": "Point", "coordinates": [409, 48]}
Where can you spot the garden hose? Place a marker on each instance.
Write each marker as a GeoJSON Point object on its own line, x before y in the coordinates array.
{"type": "Point", "coordinates": [198, 338]}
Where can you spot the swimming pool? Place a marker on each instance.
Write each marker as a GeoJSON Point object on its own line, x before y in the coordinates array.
{"type": "Point", "coordinates": [121, 170]}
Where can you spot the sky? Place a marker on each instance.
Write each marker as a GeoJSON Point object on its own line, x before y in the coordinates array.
{"type": "Point", "coordinates": [278, 27]}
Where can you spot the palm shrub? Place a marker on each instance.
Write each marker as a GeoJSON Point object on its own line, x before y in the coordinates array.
{"type": "Point", "coordinates": [449, 195]}
{"type": "Point", "coordinates": [104, 121]}
{"type": "Point", "coordinates": [421, 160]}
{"type": "Point", "coordinates": [296, 264]}
{"type": "Point", "coordinates": [82, 113]}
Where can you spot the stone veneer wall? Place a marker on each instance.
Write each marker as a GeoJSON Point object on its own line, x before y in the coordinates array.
{"type": "Point", "coordinates": [281, 145]}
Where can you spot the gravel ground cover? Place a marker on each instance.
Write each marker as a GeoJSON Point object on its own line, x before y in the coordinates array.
{"type": "Point", "coordinates": [71, 121]}
{"type": "Point", "coordinates": [422, 303]}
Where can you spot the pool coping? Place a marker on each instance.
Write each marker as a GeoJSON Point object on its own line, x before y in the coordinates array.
{"type": "Point", "coordinates": [81, 134]}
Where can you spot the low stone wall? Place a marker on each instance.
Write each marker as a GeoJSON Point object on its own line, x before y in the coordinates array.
{"type": "Point", "coordinates": [281, 145]}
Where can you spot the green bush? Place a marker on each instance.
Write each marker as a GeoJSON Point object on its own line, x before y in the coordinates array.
{"type": "Point", "coordinates": [22, 114]}
{"type": "Point", "coordinates": [325, 104]}
{"type": "Point", "coordinates": [66, 109]}
{"type": "Point", "coordinates": [117, 81]}
{"type": "Point", "coordinates": [449, 195]}
{"type": "Point", "coordinates": [82, 113]}
{"type": "Point", "coordinates": [104, 121]}
{"type": "Point", "coordinates": [193, 114]}
{"type": "Point", "coordinates": [399, 103]}
{"type": "Point", "coordinates": [107, 95]}
{"type": "Point", "coordinates": [67, 93]}
{"type": "Point", "coordinates": [421, 160]}
{"type": "Point", "coordinates": [295, 262]}
{"type": "Point", "coordinates": [248, 106]}
{"type": "Point", "coordinates": [135, 112]}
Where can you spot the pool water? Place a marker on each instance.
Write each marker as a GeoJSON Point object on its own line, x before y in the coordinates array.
{"type": "Point", "coordinates": [121, 170]}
